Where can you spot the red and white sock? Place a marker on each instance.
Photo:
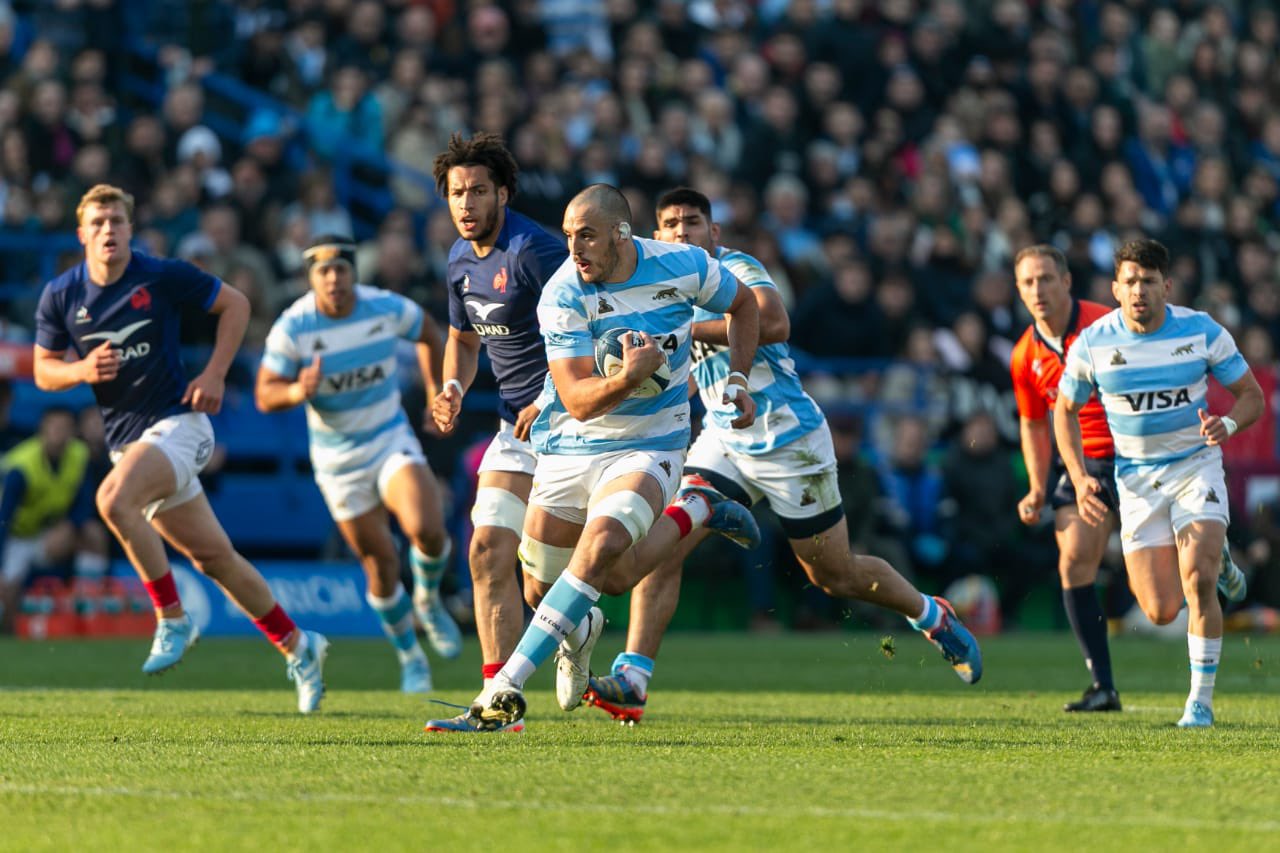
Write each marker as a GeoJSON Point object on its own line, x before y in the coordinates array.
{"type": "Point", "coordinates": [689, 511]}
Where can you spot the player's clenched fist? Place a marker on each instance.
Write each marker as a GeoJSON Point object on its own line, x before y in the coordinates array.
{"type": "Point", "coordinates": [102, 364]}
{"type": "Point", "coordinates": [445, 407]}
{"type": "Point", "coordinates": [309, 378]}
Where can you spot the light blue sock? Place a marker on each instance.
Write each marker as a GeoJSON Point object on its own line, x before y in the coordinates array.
{"type": "Point", "coordinates": [930, 617]}
{"type": "Point", "coordinates": [427, 571]}
{"type": "Point", "coordinates": [565, 605]}
{"type": "Point", "coordinates": [395, 611]}
{"type": "Point", "coordinates": [636, 669]}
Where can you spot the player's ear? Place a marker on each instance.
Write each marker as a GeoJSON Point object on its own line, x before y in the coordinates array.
{"type": "Point", "coordinates": [504, 196]}
{"type": "Point", "coordinates": [624, 230]}
{"type": "Point", "coordinates": [715, 232]}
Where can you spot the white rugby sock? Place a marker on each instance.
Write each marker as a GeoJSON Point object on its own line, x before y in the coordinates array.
{"type": "Point", "coordinates": [1204, 653]}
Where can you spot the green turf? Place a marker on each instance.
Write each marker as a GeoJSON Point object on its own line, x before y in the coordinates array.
{"type": "Point", "coordinates": [791, 742]}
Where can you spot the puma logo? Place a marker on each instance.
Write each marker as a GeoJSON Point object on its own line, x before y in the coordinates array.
{"type": "Point", "coordinates": [666, 293]}
{"type": "Point", "coordinates": [1185, 349]}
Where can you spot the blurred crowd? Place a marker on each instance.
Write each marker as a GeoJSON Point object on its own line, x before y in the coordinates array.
{"type": "Point", "coordinates": [884, 158]}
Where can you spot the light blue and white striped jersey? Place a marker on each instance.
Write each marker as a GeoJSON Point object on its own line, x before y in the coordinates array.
{"type": "Point", "coordinates": [784, 412]}
{"type": "Point", "coordinates": [659, 298]}
{"type": "Point", "coordinates": [1152, 386]}
{"type": "Point", "coordinates": [359, 395]}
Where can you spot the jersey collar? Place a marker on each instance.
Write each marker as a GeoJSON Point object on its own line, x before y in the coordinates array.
{"type": "Point", "coordinates": [1072, 320]}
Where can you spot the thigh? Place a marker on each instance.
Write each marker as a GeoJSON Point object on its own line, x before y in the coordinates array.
{"type": "Point", "coordinates": [1145, 521]}
{"type": "Point", "coordinates": [140, 474]}
{"type": "Point", "coordinates": [562, 487]}
{"type": "Point", "coordinates": [1079, 541]}
{"type": "Point", "coordinates": [653, 474]}
{"type": "Point", "coordinates": [187, 441]}
{"type": "Point", "coordinates": [193, 530]}
{"type": "Point", "coordinates": [413, 497]}
{"type": "Point", "coordinates": [502, 499]}
{"type": "Point", "coordinates": [369, 535]}
{"type": "Point", "coordinates": [1200, 545]}
{"type": "Point", "coordinates": [823, 549]}
{"type": "Point", "coordinates": [1154, 575]}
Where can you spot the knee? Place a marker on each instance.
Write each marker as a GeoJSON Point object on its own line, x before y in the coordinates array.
{"type": "Point", "coordinates": [491, 552]}
{"type": "Point", "coordinates": [1161, 612]}
{"type": "Point", "coordinates": [430, 540]}
{"type": "Point", "coordinates": [110, 503]}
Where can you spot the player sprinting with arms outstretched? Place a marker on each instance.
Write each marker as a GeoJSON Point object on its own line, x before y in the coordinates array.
{"type": "Point", "coordinates": [334, 349]}
{"type": "Point", "coordinates": [609, 462]}
{"type": "Point", "coordinates": [785, 456]}
{"type": "Point", "coordinates": [119, 313]}
{"type": "Point", "coordinates": [497, 269]}
{"type": "Point", "coordinates": [1149, 363]}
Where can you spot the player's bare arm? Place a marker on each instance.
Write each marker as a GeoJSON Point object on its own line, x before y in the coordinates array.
{"type": "Point", "coordinates": [588, 395]}
{"type": "Point", "coordinates": [775, 324]}
{"type": "Point", "coordinates": [1037, 451]}
{"type": "Point", "coordinates": [430, 349]}
{"type": "Point", "coordinates": [743, 333]}
{"type": "Point", "coordinates": [524, 421]}
{"type": "Point", "coordinates": [275, 393]}
{"type": "Point", "coordinates": [54, 373]}
{"type": "Point", "coordinates": [1247, 408]}
{"type": "Point", "coordinates": [1066, 428]}
{"type": "Point", "coordinates": [461, 360]}
{"type": "Point", "coordinates": [204, 393]}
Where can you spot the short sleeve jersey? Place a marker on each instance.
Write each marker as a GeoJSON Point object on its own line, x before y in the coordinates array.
{"type": "Point", "coordinates": [659, 298]}
{"type": "Point", "coordinates": [358, 400]}
{"type": "Point", "coordinates": [497, 298]}
{"type": "Point", "coordinates": [1037, 366]}
{"type": "Point", "coordinates": [1152, 386]}
{"type": "Point", "coordinates": [138, 314]}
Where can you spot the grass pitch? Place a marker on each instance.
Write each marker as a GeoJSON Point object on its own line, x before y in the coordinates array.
{"type": "Point", "coordinates": [791, 742]}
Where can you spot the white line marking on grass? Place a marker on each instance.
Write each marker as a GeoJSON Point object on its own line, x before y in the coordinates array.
{"type": "Point", "coordinates": [469, 804]}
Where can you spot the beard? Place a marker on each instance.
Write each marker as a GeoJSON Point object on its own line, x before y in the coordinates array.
{"type": "Point", "coordinates": [487, 228]}
{"type": "Point", "coordinates": [607, 264]}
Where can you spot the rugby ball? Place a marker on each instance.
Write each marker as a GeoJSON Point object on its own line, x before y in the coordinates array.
{"type": "Point", "coordinates": [609, 362]}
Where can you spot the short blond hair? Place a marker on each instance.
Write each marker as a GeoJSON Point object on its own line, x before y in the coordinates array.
{"type": "Point", "coordinates": [105, 194]}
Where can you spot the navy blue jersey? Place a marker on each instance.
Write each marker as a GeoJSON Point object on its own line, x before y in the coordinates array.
{"type": "Point", "coordinates": [497, 298]}
{"type": "Point", "coordinates": [139, 315]}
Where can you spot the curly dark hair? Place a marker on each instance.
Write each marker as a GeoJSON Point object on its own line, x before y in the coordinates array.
{"type": "Point", "coordinates": [1148, 254]}
{"type": "Point", "coordinates": [482, 149]}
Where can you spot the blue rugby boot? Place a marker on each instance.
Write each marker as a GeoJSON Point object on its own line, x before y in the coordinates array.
{"type": "Point", "coordinates": [617, 697]}
{"type": "Point", "coordinates": [468, 723]}
{"type": "Point", "coordinates": [1196, 716]}
{"type": "Point", "coordinates": [415, 675]}
{"type": "Point", "coordinates": [306, 671]}
{"type": "Point", "coordinates": [172, 639]}
{"type": "Point", "coordinates": [729, 518]}
{"type": "Point", "coordinates": [958, 646]}
{"type": "Point", "coordinates": [1231, 580]}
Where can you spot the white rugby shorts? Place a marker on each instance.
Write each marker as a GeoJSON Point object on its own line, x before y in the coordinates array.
{"type": "Point", "coordinates": [1158, 501]}
{"type": "Point", "coordinates": [350, 494]}
{"type": "Point", "coordinates": [565, 486]}
{"type": "Point", "coordinates": [187, 442]}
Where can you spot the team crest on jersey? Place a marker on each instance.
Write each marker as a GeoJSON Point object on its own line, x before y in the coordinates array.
{"type": "Point", "coordinates": [603, 307]}
{"type": "Point", "coordinates": [500, 280]}
{"type": "Point", "coordinates": [140, 300]}
{"type": "Point", "coordinates": [82, 316]}
{"type": "Point", "coordinates": [1117, 358]}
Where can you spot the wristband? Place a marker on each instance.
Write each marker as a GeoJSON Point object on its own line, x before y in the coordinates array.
{"type": "Point", "coordinates": [297, 394]}
{"type": "Point", "coordinates": [740, 375]}
{"type": "Point", "coordinates": [1230, 424]}
{"type": "Point", "coordinates": [453, 383]}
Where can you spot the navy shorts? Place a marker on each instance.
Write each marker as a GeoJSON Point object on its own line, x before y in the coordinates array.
{"type": "Point", "coordinates": [1103, 470]}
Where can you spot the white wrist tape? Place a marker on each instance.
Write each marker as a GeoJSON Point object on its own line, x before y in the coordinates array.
{"type": "Point", "coordinates": [1230, 424]}
{"type": "Point", "coordinates": [453, 383]}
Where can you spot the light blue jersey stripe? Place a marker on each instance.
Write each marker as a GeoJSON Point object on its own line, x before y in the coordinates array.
{"type": "Point", "coordinates": [1152, 385]}
{"type": "Point", "coordinates": [659, 298]}
{"type": "Point", "coordinates": [784, 412]}
{"type": "Point", "coordinates": [358, 400]}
